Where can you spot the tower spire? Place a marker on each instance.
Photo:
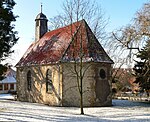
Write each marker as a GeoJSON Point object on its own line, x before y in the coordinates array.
{"type": "Point", "coordinates": [41, 7]}
{"type": "Point", "coordinates": [40, 25]}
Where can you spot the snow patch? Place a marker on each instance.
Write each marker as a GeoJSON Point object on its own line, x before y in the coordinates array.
{"type": "Point", "coordinates": [122, 110]}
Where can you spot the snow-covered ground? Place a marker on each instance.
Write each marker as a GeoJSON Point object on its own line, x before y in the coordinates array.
{"type": "Point", "coordinates": [122, 111]}
{"type": "Point", "coordinates": [7, 96]}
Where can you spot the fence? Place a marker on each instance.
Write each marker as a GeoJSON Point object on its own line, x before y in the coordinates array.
{"type": "Point", "coordinates": [132, 96]}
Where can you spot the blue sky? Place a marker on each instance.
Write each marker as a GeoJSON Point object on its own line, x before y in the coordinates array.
{"type": "Point", "coordinates": [120, 13]}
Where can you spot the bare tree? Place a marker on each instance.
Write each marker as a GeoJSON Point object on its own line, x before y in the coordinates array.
{"type": "Point", "coordinates": [77, 55]}
{"type": "Point", "coordinates": [127, 41]}
{"type": "Point", "coordinates": [130, 39]}
{"type": "Point", "coordinates": [74, 11]}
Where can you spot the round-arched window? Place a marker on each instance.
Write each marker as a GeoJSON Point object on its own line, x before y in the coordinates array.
{"type": "Point", "coordinates": [102, 74]}
{"type": "Point", "coordinates": [49, 84]}
{"type": "Point", "coordinates": [29, 81]}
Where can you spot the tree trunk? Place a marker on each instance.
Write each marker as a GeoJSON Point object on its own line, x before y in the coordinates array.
{"type": "Point", "coordinates": [81, 101]}
{"type": "Point", "coordinates": [81, 82]}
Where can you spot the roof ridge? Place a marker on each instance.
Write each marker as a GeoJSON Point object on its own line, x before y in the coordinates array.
{"type": "Point", "coordinates": [65, 26]}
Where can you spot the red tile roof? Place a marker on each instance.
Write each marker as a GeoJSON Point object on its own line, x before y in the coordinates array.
{"type": "Point", "coordinates": [64, 44]}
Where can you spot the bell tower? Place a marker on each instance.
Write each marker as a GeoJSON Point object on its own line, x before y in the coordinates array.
{"type": "Point", "coordinates": [40, 25]}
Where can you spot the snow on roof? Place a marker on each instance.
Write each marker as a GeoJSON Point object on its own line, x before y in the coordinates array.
{"type": "Point", "coordinates": [8, 80]}
{"type": "Point", "coordinates": [10, 76]}
{"type": "Point", "coordinates": [61, 45]}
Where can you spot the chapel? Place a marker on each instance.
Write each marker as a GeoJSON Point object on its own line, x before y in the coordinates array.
{"type": "Point", "coordinates": [47, 72]}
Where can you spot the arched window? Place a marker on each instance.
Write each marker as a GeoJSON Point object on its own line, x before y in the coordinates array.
{"type": "Point", "coordinates": [29, 81]}
{"type": "Point", "coordinates": [49, 84]}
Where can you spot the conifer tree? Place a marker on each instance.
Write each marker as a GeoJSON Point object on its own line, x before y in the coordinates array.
{"type": "Point", "coordinates": [142, 68]}
{"type": "Point", "coordinates": [7, 34]}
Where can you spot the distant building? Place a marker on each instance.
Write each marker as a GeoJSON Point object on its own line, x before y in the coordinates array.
{"type": "Point", "coordinates": [45, 72]}
{"type": "Point", "coordinates": [125, 79]}
{"type": "Point", "coordinates": [8, 84]}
